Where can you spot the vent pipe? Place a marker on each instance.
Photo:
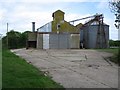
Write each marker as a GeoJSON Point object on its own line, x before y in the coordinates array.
{"type": "Point", "coordinates": [33, 26]}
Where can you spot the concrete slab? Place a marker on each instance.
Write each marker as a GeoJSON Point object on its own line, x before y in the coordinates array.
{"type": "Point", "coordinates": [74, 68]}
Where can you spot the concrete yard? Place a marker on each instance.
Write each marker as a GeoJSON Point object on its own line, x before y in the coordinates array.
{"type": "Point", "coordinates": [74, 68]}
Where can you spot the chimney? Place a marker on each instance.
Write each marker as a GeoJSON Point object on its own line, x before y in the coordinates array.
{"type": "Point", "coordinates": [33, 26]}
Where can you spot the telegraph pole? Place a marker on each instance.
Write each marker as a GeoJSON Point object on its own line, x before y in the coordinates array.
{"type": "Point", "coordinates": [7, 36]}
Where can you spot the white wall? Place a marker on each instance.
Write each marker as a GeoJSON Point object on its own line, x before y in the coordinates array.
{"type": "Point", "coordinates": [45, 41]}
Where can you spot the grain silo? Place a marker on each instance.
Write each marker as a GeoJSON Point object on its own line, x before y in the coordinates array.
{"type": "Point", "coordinates": [95, 35]}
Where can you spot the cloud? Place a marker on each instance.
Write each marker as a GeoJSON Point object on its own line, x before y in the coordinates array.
{"type": "Point", "coordinates": [108, 19]}
{"type": "Point", "coordinates": [103, 5]}
{"type": "Point", "coordinates": [20, 17]}
{"type": "Point", "coordinates": [113, 32]}
{"type": "Point", "coordinates": [2, 12]}
{"type": "Point", "coordinates": [24, 12]}
{"type": "Point", "coordinates": [51, 1]}
{"type": "Point", "coordinates": [75, 16]}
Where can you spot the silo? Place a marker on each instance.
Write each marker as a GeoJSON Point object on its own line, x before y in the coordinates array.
{"type": "Point", "coordinates": [91, 37]}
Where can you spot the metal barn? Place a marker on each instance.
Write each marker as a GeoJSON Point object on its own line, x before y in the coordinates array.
{"type": "Point", "coordinates": [58, 34]}
{"type": "Point", "coordinates": [58, 41]}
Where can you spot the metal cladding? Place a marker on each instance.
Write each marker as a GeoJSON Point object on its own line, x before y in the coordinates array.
{"type": "Point", "coordinates": [33, 26]}
{"type": "Point", "coordinates": [64, 41]}
{"type": "Point", "coordinates": [89, 37]}
{"type": "Point", "coordinates": [58, 41]}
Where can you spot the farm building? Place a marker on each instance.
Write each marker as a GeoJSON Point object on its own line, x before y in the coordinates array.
{"type": "Point", "coordinates": [57, 34]}
{"type": "Point", "coordinates": [60, 34]}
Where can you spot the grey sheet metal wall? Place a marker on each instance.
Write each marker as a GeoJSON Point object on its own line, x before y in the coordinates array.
{"type": "Point", "coordinates": [53, 41]}
{"type": "Point", "coordinates": [64, 41]}
{"type": "Point", "coordinates": [59, 41]}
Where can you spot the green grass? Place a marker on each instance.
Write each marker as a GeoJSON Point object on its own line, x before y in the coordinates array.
{"type": "Point", "coordinates": [116, 54]}
{"type": "Point", "coordinates": [0, 72]}
{"type": "Point", "coordinates": [110, 50]}
{"type": "Point", "coordinates": [19, 74]}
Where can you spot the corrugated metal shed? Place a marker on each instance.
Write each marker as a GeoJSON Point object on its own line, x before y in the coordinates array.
{"type": "Point", "coordinates": [58, 34]}
{"type": "Point", "coordinates": [58, 41]}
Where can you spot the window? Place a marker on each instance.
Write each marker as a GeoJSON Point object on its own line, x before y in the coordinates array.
{"type": "Point", "coordinates": [58, 26]}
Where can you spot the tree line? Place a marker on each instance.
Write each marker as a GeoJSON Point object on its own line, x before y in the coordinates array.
{"type": "Point", "coordinates": [15, 39]}
{"type": "Point", "coordinates": [113, 43]}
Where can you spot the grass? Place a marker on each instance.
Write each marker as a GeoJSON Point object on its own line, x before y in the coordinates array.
{"type": "Point", "coordinates": [116, 54]}
{"type": "Point", "coordinates": [0, 71]}
{"type": "Point", "coordinates": [110, 50]}
{"type": "Point", "coordinates": [17, 73]}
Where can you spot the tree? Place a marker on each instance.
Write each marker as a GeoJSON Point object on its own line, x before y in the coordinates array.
{"type": "Point", "coordinates": [115, 8]}
{"type": "Point", "coordinates": [114, 43]}
{"type": "Point", "coordinates": [15, 39]}
{"type": "Point", "coordinates": [23, 39]}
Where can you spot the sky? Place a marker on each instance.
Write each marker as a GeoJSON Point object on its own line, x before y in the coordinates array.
{"type": "Point", "coordinates": [20, 13]}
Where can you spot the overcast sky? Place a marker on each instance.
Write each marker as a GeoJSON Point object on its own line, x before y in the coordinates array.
{"type": "Point", "coordinates": [20, 13]}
